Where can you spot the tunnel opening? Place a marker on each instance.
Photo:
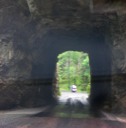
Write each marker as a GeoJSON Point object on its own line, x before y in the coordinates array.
{"type": "Point", "coordinates": [60, 41]}
{"type": "Point", "coordinates": [73, 72]}
{"type": "Point", "coordinates": [73, 83]}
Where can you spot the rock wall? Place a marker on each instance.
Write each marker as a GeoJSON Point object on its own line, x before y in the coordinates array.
{"type": "Point", "coordinates": [16, 59]}
{"type": "Point", "coordinates": [23, 51]}
{"type": "Point", "coordinates": [119, 63]}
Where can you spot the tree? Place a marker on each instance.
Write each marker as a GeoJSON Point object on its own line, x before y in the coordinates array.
{"type": "Point", "coordinates": [73, 68]}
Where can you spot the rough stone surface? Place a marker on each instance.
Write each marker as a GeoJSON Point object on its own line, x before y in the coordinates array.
{"type": "Point", "coordinates": [119, 61]}
{"type": "Point", "coordinates": [24, 48]}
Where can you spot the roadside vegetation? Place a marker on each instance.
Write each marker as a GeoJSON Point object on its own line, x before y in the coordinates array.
{"type": "Point", "coordinates": [73, 69]}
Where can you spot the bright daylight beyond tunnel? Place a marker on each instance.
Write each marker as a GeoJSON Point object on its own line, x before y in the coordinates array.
{"type": "Point", "coordinates": [73, 69]}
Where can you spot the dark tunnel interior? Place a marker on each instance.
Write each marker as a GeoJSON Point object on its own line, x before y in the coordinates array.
{"type": "Point", "coordinates": [93, 42]}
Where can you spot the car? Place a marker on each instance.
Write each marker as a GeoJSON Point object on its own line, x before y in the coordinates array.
{"type": "Point", "coordinates": [73, 88]}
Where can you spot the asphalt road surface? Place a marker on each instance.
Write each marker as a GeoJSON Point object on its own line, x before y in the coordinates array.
{"type": "Point", "coordinates": [74, 96]}
{"type": "Point", "coordinates": [69, 113]}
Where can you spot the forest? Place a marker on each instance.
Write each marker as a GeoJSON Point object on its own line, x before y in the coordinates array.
{"type": "Point", "coordinates": [73, 68]}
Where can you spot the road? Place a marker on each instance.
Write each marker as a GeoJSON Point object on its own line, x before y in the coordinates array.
{"type": "Point", "coordinates": [72, 104]}
{"type": "Point", "coordinates": [74, 96]}
{"type": "Point", "coordinates": [69, 113]}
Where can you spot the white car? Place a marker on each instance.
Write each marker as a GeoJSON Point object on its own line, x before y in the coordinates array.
{"type": "Point", "coordinates": [73, 88]}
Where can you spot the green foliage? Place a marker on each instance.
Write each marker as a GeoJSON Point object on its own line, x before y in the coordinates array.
{"type": "Point", "coordinates": [88, 88]}
{"type": "Point", "coordinates": [73, 68]}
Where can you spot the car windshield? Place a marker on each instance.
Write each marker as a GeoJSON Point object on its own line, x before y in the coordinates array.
{"type": "Point", "coordinates": [74, 86]}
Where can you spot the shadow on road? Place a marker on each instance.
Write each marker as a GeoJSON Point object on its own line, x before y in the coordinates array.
{"type": "Point", "coordinates": [71, 105]}
{"type": "Point", "coordinates": [71, 108]}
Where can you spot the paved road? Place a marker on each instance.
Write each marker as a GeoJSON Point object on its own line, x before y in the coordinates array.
{"type": "Point", "coordinates": [64, 115]}
{"type": "Point", "coordinates": [73, 96]}
{"type": "Point", "coordinates": [26, 119]}
{"type": "Point", "coordinates": [72, 105]}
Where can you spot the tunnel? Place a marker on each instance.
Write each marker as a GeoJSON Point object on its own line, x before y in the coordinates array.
{"type": "Point", "coordinates": [56, 41]}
